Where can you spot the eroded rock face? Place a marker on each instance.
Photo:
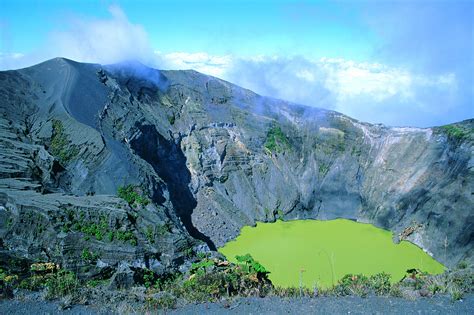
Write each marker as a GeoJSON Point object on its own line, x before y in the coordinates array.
{"type": "Point", "coordinates": [213, 157]}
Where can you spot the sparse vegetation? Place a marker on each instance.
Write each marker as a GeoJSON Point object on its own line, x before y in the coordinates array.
{"type": "Point", "coordinates": [276, 141]}
{"type": "Point", "coordinates": [92, 229]}
{"type": "Point", "coordinates": [49, 276]}
{"type": "Point", "coordinates": [163, 301]}
{"type": "Point", "coordinates": [323, 169]}
{"type": "Point", "coordinates": [150, 234]}
{"type": "Point", "coordinates": [362, 285]}
{"type": "Point", "coordinates": [457, 132]}
{"type": "Point", "coordinates": [162, 229]}
{"type": "Point", "coordinates": [60, 146]}
{"type": "Point", "coordinates": [171, 119]}
{"type": "Point", "coordinates": [132, 195]}
{"type": "Point", "coordinates": [215, 279]}
{"type": "Point", "coordinates": [101, 231]}
{"type": "Point", "coordinates": [330, 143]}
{"type": "Point", "coordinates": [126, 236]}
{"type": "Point", "coordinates": [188, 252]}
{"type": "Point", "coordinates": [252, 266]}
{"type": "Point", "coordinates": [280, 214]}
{"type": "Point", "coordinates": [92, 283]}
{"type": "Point", "coordinates": [89, 256]}
{"type": "Point", "coordinates": [212, 279]}
{"type": "Point", "coordinates": [61, 283]}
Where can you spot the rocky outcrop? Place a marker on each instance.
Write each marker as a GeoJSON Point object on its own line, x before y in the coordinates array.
{"type": "Point", "coordinates": [212, 157]}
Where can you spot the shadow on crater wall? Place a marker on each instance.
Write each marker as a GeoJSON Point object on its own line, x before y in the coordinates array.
{"type": "Point", "coordinates": [169, 162]}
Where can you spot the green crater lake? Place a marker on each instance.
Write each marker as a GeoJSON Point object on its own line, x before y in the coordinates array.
{"type": "Point", "coordinates": [326, 251]}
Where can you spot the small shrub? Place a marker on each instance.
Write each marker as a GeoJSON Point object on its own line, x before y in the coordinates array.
{"type": "Point", "coordinates": [110, 236]}
{"type": "Point", "coordinates": [40, 274]}
{"type": "Point", "coordinates": [188, 252]}
{"type": "Point", "coordinates": [455, 132]}
{"type": "Point", "coordinates": [126, 236]}
{"type": "Point", "coordinates": [213, 279]}
{"type": "Point", "coordinates": [202, 255]}
{"type": "Point", "coordinates": [323, 169]}
{"type": "Point", "coordinates": [276, 141]}
{"type": "Point", "coordinates": [202, 266]}
{"type": "Point", "coordinates": [60, 284]}
{"type": "Point", "coordinates": [165, 301]}
{"type": "Point", "coordinates": [89, 256]}
{"type": "Point", "coordinates": [150, 235]}
{"type": "Point", "coordinates": [280, 214]}
{"type": "Point", "coordinates": [8, 279]}
{"type": "Point", "coordinates": [33, 283]}
{"type": "Point", "coordinates": [353, 285]}
{"type": "Point", "coordinates": [396, 291]}
{"type": "Point", "coordinates": [380, 283]}
{"type": "Point", "coordinates": [252, 266]}
{"type": "Point", "coordinates": [462, 265]}
{"type": "Point", "coordinates": [293, 292]}
{"type": "Point", "coordinates": [131, 195]}
{"type": "Point", "coordinates": [59, 146]}
{"type": "Point", "coordinates": [171, 119]}
{"type": "Point", "coordinates": [43, 268]}
{"type": "Point", "coordinates": [93, 283]}
{"type": "Point", "coordinates": [456, 293]}
{"type": "Point", "coordinates": [162, 229]}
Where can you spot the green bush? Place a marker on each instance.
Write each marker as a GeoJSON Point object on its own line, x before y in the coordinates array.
{"type": "Point", "coordinates": [252, 266]}
{"type": "Point", "coordinates": [126, 236]}
{"type": "Point", "coordinates": [353, 285]}
{"type": "Point", "coordinates": [165, 301]}
{"type": "Point", "coordinates": [150, 234]}
{"type": "Point", "coordinates": [171, 119]}
{"type": "Point", "coordinates": [396, 291]}
{"type": "Point", "coordinates": [462, 265]}
{"type": "Point", "coordinates": [33, 283]}
{"type": "Point", "coordinates": [149, 278]}
{"type": "Point", "coordinates": [201, 266]}
{"type": "Point", "coordinates": [380, 283]}
{"type": "Point", "coordinates": [99, 230]}
{"type": "Point", "coordinates": [92, 283]}
{"type": "Point", "coordinates": [213, 279]}
{"type": "Point", "coordinates": [362, 285]}
{"type": "Point", "coordinates": [276, 141]}
{"type": "Point", "coordinates": [60, 284]}
{"type": "Point", "coordinates": [131, 195]}
{"type": "Point", "coordinates": [60, 147]}
{"type": "Point", "coordinates": [294, 292]}
{"type": "Point", "coordinates": [455, 132]}
{"type": "Point", "coordinates": [7, 283]}
{"type": "Point", "coordinates": [89, 256]}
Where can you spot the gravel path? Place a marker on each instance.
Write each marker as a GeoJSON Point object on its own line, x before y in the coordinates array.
{"type": "Point", "coordinates": [273, 305]}
{"type": "Point", "coordinates": [331, 305]}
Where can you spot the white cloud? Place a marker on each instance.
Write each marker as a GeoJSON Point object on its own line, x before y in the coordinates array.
{"type": "Point", "coordinates": [367, 91]}
{"type": "Point", "coordinates": [202, 62]}
{"type": "Point", "coordinates": [103, 41]}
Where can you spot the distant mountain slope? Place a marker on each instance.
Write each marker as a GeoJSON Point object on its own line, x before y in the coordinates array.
{"type": "Point", "coordinates": [213, 157]}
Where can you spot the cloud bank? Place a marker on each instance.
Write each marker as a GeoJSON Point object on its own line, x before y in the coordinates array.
{"type": "Point", "coordinates": [367, 91]}
{"type": "Point", "coordinates": [401, 91]}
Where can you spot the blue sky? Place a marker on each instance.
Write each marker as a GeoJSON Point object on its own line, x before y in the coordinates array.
{"type": "Point", "coordinates": [320, 28]}
{"type": "Point", "coordinates": [399, 63]}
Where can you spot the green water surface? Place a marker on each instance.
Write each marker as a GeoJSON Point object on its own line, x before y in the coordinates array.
{"type": "Point", "coordinates": [326, 251]}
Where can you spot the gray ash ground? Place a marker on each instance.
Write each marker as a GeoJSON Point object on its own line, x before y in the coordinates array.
{"type": "Point", "coordinates": [269, 305]}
